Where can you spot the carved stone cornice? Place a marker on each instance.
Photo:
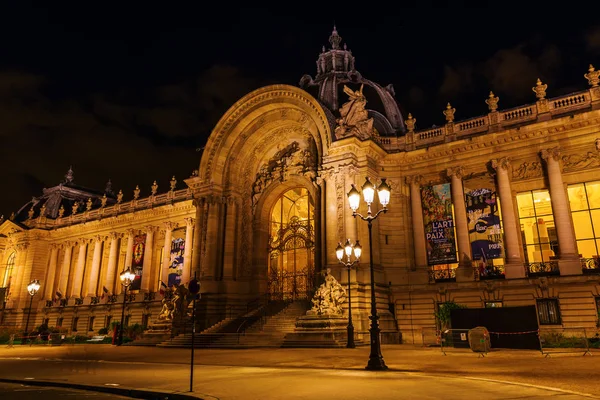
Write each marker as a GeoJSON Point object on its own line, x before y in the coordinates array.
{"type": "Point", "coordinates": [189, 222]}
{"type": "Point", "coordinates": [115, 235]}
{"type": "Point", "coordinates": [99, 238]}
{"type": "Point", "coordinates": [551, 153]}
{"type": "Point", "coordinates": [502, 163]}
{"type": "Point", "coordinates": [170, 225]}
{"type": "Point", "coordinates": [150, 229]}
{"type": "Point", "coordinates": [455, 171]}
{"type": "Point", "coordinates": [414, 179]}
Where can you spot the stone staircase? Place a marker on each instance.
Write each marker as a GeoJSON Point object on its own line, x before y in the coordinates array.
{"type": "Point", "coordinates": [266, 327]}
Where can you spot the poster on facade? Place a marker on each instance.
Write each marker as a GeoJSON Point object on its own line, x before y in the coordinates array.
{"type": "Point", "coordinates": [484, 224]}
{"type": "Point", "coordinates": [176, 262]}
{"type": "Point", "coordinates": [439, 225]}
{"type": "Point", "coordinates": [137, 261]}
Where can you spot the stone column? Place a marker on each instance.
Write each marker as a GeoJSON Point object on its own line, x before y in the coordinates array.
{"type": "Point", "coordinates": [513, 265]}
{"type": "Point", "coordinates": [49, 284]}
{"type": "Point", "coordinates": [111, 268]}
{"type": "Point", "coordinates": [465, 266]}
{"type": "Point", "coordinates": [148, 254]}
{"type": "Point", "coordinates": [129, 253]}
{"type": "Point", "coordinates": [187, 251]}
{"type": "Point", "coordinates": [92, 289]}
{"type": "Point", "coordinates": [196, 247]}
{"type": "Point", "coordinates": [66, 267]}
{"type": "Point", "coordinates": [568, 258]}
{"type": "Point", "coordinates": [164, 271]}
{"type": "Point", "coordinates": [79, 269]}
{"type": "Point", "coordinates": [213, 246]}
{"type": "Point", "coordinates": [230, 239]}
{"type": "Point", "coordinates": [417, 220]}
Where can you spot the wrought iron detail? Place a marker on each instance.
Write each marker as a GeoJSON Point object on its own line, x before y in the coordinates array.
{"type": "Point", "coordinates": [49, 303]}
{"type": "Point", "coordinates": [78, 301]}
{"type": "Point", "coordinates": [112, 298]}
{"type": "Point", "coordinates": [590, 265]}
{"type": "Point", "coordinates": [442, 275]}
{"type": "Point", "coordinates": [542, 268]}
{"type": "Point", "coordinates": [63, 302]}
{"type": "Point", "coordinates": [95, 300]}
{"type": "Point", "coordinates": [130, 297]}
{"type": "Point", "coordinates": [489, 272]}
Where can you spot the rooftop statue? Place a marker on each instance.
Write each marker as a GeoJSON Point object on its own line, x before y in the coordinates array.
{"type": "Point", "coordinates": [354, 118]}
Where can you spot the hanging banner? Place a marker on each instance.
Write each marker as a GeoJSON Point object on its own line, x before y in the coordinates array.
{"type": "Point", "coordinates": [137, 262]}
{"type": "Point", "coordinates": [439, 225]}
{"type": "Point", "coordinates": [484, 224]}
{"type": "Point", "coordinates": [176, 262]}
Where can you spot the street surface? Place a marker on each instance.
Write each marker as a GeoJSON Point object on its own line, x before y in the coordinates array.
{"type": "Point", "coordinates": [415, 372]}
{"type": "Point", "coordinates": [11, 391]}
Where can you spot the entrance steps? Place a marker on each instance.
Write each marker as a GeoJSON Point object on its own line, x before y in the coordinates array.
{"type": "Point", "coordinates": [267, 328]}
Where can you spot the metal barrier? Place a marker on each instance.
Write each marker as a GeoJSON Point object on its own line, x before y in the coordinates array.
{"type": "Point", "coordinates": [454, 339]}
{"type": "Point", "coordinates": [564, 340]}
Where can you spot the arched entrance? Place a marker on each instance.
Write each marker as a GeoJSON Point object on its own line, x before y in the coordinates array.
{"type": "Point", "coordinates": [292, 246]}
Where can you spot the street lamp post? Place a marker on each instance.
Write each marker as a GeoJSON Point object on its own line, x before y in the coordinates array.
{"type": "Point", "coordinates": [32, 288]}
{"type": "Point", "coordinates": [127, 278]}
{"type": "Point", "coordinates": [339, 251]}
{"type": "Point", "coordinates": [383, 190]}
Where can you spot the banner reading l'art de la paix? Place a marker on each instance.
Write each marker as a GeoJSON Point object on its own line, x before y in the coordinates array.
{"type": "Point", "coordinates": [439, 224]}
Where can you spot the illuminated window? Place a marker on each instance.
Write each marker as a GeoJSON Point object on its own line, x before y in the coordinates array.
{"type": "Point", "coordinates": [10, 264]}
{"type": "Point", "coordinates": [291, 245]}
{"type": "Point", "coordinates": [548, 311]}
{"type": "Point", "coordinates": [584, 199]}
{"type": "Point", "coordinates": [537, 226]}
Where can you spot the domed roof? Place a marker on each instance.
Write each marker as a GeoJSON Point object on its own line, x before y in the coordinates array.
{"type": "Point", "coordinates": [64, 196]}
{"type": "Point", "coordinates": [335, 69]}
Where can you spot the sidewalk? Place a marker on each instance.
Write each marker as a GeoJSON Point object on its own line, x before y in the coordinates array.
{"type": "Point", "coordinates": [567, 371]}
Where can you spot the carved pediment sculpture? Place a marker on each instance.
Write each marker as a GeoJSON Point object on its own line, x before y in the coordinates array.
{"type": "Point", "coordinates": [328, 298]}
{"type": "Point", "coordinates": [354, 118]}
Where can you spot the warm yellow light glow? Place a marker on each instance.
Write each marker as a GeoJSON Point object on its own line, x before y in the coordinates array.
{"type": "Point", "coordinates": [383, 191]}
{"type": "Point", "coordinates": [357, 250]}
{"type": "Point", "coordinates": [339, 251]}
{"type": "Point", "coordinates": [348, 248]}
{"type": "Point", "coordinates": [33, 287]}
{"type": "Point", "coordinates": [354, 198]}
{"type": "Point", "coordinates": [368, 190]}
{"type": "Point", "coordinates": [127, 277]}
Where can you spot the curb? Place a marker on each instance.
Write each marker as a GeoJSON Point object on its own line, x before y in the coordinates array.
{"type": "Point", "coordinates": [128, 392]}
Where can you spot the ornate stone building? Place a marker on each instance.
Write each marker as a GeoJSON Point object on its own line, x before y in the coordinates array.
{"type": "Point", "coordinates": [497, 210]}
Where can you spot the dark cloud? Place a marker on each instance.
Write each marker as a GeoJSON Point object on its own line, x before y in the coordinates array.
{"type": "Point", "coordinates": [132, 136]}
{"type": "Point", "coordinates": [592, 38]}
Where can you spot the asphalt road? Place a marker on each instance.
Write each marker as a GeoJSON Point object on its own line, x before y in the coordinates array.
{"type": "Point", "coordinates": [235, 382]}
{"type": "Point", "coordinates": [13, 391]}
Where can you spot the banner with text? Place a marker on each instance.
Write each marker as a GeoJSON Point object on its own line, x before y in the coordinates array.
{"type": "Point", "coordinates": [137, 262]}
{"type": "Point", "coordinates": [439, 225]}
{"type": "Point", "coordinates": [176, 261]}
{"type": "Point", "coordinates": [484, 224]}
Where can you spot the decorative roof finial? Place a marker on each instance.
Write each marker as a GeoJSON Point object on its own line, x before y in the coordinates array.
{"type": "Point", "coordinates": [173, 183]}
{"type": "Point", "coordinates": [449, 113]}
{"type": "Point", "coordinates": [69, 177]}
{"type": "Point", "coordinates": [136, 192]}
{"type": "Point", "coordinates": [120, 197]}
{"type": "Point", "coordinates": [103, 201]}
{"type": "Point", "coordinates": [335, 39]}
{"type": "Point", "coordinates": [154, 188]}
{"type": "Point", "coordinates": [592, 76]}
{"type": "Point", "coordinates": [540, 89]}
{"type": "Point", "coordinates": [108, 188]}
{"type": "Point", "coordinates": [61, 211]}
{"type": "Point", "coordinates": [88, 205]}
{"type": "Point", "coordinates": [492, 102]}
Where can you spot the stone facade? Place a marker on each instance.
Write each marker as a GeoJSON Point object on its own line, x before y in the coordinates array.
{"type": "Point", "coordinates": [279, 138]}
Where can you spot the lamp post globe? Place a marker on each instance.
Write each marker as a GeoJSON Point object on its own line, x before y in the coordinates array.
{"type": "Point", "coordinates": [127, 278]}
{"type": "Point", "coordinates": [376, 362]}
{"type": "Point", "coordinates": [347, 251]}
{"type": "Point", "coordinates": [32, 289]}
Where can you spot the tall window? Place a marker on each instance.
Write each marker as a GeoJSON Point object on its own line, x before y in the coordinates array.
{"type": "Point", "coordinates": [291, 245]}
{"type": "Point", "coordinates": [548, 311]}
{"type": "Point", "coordinates": [537, 226]}
{"type": "Point", "coordinates": [584, 199]}
{"type": "Point", "coordinates": [10, 264]}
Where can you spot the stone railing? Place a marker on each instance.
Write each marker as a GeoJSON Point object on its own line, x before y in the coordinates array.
{"type": "Point", "coordinates": [442, 275]}
{"type": "Point", "coordinates": [542, 268]}
{"type": "Point", "coordinates": [114, 210]}
{"type": "Point", "coordinates": [495, 121]}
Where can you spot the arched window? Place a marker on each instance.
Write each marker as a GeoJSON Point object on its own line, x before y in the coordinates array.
{"type": "Point", "coordinates": [291, 245]}
{"type": "Point", "coordinates": [10, 264]}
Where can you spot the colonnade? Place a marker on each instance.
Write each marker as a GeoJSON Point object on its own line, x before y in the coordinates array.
{"type": "Point", "coordinates": [514, 261]}
{"type": "Point", "coordinates": [74, 276]}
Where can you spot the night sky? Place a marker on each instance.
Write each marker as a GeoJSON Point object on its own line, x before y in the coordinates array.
{"type": "Point", "coordinates": [129, 91]}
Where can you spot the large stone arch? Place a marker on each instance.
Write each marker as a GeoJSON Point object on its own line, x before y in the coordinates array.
{"type": "Point", "coordinates": [263, 111]}
{"type": "Point", "coordinates": [276, 135]}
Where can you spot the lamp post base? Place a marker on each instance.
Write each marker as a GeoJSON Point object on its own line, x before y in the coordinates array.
{"type": "Point", "coordinates": [350, 344]}
{"type": "Point", "coordinates": [376, 362]}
